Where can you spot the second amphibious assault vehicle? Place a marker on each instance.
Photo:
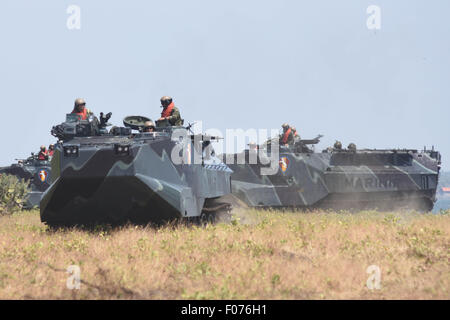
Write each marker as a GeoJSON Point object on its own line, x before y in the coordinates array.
{"type": "Point", "coordinates": [339, 178]}
{"type": "Point", "coordinates": [36, 172]}
{"type": "Point", "coordinates": [102, 176]}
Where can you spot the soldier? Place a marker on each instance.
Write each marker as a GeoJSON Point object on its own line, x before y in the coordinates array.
{"type": "Point", "coordinates": [81, 110]}
{"type": "Point", "coordinates": [296, 135]}
{"type": "Point", "coordinates": [149, 126]}
{"type": "Point", "coordinates": [170, 113]}
{"type": "Point", "coordinates": [351, 147]}
{"type": "Point", "coordinates": [287, 137]}
{"type": "Point", "coordinates": [42, 155]}
{"type": "Point", "coordinates": [337, 145]}
{"type": "Point", "coordinates": [51, 150]}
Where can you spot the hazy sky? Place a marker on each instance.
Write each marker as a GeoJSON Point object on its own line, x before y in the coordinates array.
{"type": "Point", "coordinates": [232, 64]}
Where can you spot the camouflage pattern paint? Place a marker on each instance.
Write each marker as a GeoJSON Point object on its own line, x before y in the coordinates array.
{"type": "Point", "coordinates": [341, 179]}
{"type": "Point", "coordinates": [130, 178]}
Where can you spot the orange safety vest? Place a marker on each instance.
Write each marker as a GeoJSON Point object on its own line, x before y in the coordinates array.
{"type": "Point", "coordinates": [167, 111]}
{"type": "Point", "coordinates": [50, 152]}
{"type": "Point", "coordinates": [42, 155]}
{"type": "Point", "coordinates": [286, 136]}
{"type": "Point", "coordinates": [83, 114]}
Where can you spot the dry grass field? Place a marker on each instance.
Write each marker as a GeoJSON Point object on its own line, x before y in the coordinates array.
{"type": "Point", "coordinates": [259, 255]}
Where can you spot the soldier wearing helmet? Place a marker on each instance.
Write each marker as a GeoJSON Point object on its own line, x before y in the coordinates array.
{"type": "Point", "coordinates": [149, 126]}
{"type": "Point", "coordinates": [81, 110]}
{"type": "Point", "coordinates": [337, 145]}
{"type": "Point", "coordinates": [170, 116]}
{"type": "Point", "coordinates": [51, 150]}
{"type": "Point", "coordinates": [287, 137]}
{"type": "Point", "coordinates": [42, 155]}
{"type": "Point", "coordinates": [351, 147]}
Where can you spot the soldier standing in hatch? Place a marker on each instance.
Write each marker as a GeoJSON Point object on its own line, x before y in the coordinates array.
{"type": "Point", "coordinates": [81, 110]}
{"type": "Point", "coordinates": [43, 155]}
{"type": "Point", "coordinates": [337, 145]}
{"type": "Point", "coordinates": [51, 150]}
{"type": "Point", "coordinates": [170, 116]}
{"type": "Point", "coordinates": [287, 137]}
{"type": "Point", "coordinates": [352, 147]}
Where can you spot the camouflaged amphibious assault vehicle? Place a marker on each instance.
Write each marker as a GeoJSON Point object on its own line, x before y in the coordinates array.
{"type": "Point", "coordinates": [340, 179]}
{"type": "Point", "coordinates": [37, 172]}
{"type": "Point", "coordinates": [122, 175]}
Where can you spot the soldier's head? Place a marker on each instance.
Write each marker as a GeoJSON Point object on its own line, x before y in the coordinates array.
{"type": "Point", "coordinates": [79, 104]}
{"type": "Point", "coordinates": [165, 101]}
{"type": "Point", "coordinates": [149, 126]}
{"type": "Point", "coordinates": [352, 147]}
{"type": "Point", "coordinates": [285, 127]}
{"type": "Point", "coordinates": [43, 148]}
{"type": "Point", "coordinates": [338, 145]}
{"type": "Point", "coordinates": [51, 147]}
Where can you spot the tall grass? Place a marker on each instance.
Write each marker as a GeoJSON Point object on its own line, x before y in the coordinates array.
{"type": "Point", "coordinates": [259, 255]}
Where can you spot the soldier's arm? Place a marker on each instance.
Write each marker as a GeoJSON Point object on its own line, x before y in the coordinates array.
{"type": "Point", "coordinates": [175, 115]}
{"type": "Point", "coordinates": [291, 137]}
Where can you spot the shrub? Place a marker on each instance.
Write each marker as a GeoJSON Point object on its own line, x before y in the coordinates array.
{"type": "Point", "coordinates": [13, 192]}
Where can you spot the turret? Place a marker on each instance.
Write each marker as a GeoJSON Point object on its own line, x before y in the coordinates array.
{"type": "Point", "coordinates": [75, 127]}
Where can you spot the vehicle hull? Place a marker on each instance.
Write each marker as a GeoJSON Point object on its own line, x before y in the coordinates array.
{"type": "Point", "coordinates": [367, 179]}
{"type": "Point", "coordinates": [98, 185]}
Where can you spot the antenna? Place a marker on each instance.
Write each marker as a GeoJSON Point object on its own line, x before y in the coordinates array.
{"type": "Point", "coordinates": [189, 126]}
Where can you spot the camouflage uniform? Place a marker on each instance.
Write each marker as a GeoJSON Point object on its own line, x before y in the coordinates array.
{"type": "Point", "coordinates": [297, 138]}
{"type": "Point", "coordinates": [175, 118]}
{"type": "Point", "coordinates": [290, 139]}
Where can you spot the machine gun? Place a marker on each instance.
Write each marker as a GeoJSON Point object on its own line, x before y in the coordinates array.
{"type": "Point", "coordinates": [23, 161]}
{"type": "Point", "coordinates": [104, 119]}
{"type": "Point", "coordinates": [301, 145]}
{"type": "Point", "coordinates": [316, 140]}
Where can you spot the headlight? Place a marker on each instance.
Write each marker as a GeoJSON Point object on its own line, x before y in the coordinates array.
{"type": "Point", "coordinates": [122, 149]}
{"type": "Point", "coordinates": [70, 151]}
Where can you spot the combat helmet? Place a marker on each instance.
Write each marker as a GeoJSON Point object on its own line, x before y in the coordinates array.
{"type": "Point", "coordinates": [80, 102]}
{"type": "Point", "coordinates": [337, 145]}
{"type": "Point", "coordinates": [351, 147]}
{"type": "Point", "coordinates": [148, 125]}
{"type": "Point", "coordinates": [165, 101]}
